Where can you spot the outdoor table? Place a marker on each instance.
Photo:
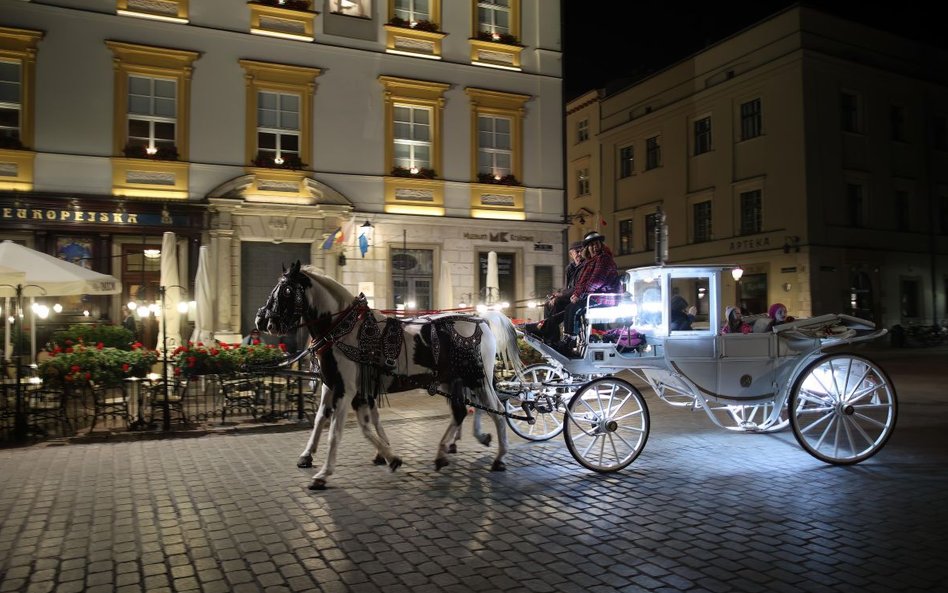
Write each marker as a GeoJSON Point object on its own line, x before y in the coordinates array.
{"type": "Point", "coordinates": [137, 400]}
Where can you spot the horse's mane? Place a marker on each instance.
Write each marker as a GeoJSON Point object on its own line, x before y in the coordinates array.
{"type": "Point", "coordinates": [338, 292]}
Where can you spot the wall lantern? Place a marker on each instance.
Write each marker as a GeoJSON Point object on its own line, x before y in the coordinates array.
{"type": "Point", "coordinates": [737, 273]}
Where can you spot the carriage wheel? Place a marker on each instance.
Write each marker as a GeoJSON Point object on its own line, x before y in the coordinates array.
{"type": "Point", "coordinates": [607, 424]}
{"type": "Point", "coordinates": [843, 409]}
{"type": "Point", "coordinates": [547, 404]}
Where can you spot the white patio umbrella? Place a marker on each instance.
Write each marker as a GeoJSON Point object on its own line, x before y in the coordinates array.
{"type": "Point", "coordinates": [9, 280]}
{"type": "Point", "coordinates": [204, 313]}
{"type": "Point", "coordinates": [445, 287]}
{"type": "Point", "coordinates": [169, 324]}
{"type": "Point", "coordinates": [493, 281]}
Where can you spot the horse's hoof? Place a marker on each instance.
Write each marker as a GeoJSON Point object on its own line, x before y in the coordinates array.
{"type": "Point", "coordinates": [379, 460]}
{"type": "Point", "coordinates": [452, 448]}
{"type": "Point", "coordinates": [484, 439]}
{"type": "Point", "coordinates": [395, 464]}
{"type": "Point", "coordinates": [498, 466]}
{"type": "Point", "coordinates": [317, 484]}
{"type": "Point", "coordinates": [440, 462]}
{"type": "Point", "coordinates": [305, 461]}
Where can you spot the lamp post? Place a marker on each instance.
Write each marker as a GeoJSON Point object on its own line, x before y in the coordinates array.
{"type": "Point", "coordinates": [165, 409]}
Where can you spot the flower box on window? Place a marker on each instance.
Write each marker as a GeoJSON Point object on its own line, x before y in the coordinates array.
{"type": "Point", "coordinates": [269, 161]}
{"type": "Point", "coordinates": [162, 153]}
{"type": "Point", "coordinates": [416, 25]}
{"type": "Point", "coordinates": [287, 4]}
{"type": "Point", "coordinates": [505, 38]}
{"type": "Point", "coordinates": [422, 173]}
{"type": "Point", "coordinates": [505, 180]}
{"type": "Point", "coordinates": [291, 19]}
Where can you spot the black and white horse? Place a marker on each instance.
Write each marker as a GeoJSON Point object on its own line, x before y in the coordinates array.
{"type": "Point", "coordinates": [362, 354]}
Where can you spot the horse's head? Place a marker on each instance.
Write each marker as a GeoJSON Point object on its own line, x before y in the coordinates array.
{"type": "Point", "coordinates": [284, 309]}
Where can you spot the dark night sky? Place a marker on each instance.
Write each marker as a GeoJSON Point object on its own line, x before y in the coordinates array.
{"type": "Point", "coordinates": [643, 36]}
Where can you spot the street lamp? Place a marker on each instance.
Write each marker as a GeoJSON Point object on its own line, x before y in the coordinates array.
{"type": "Point", "coordinates": [737, 273]}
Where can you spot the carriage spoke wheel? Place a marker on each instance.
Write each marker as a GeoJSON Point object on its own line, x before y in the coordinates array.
{"type": "Point", "coordinates": [843, 409]}
{"type": "Point", "coordinates": [607, 424]}
{"type": "Point", "coordinates": [546, 403]}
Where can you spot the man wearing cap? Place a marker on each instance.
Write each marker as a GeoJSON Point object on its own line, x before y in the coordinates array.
{"type": "Point", "coordinates": [598, 274]}
{"type": "Point", "coordinates": [549, 328]}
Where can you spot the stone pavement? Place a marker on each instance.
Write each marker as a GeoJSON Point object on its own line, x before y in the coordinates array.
{"type": "Point", "coordinates": [701, 509]}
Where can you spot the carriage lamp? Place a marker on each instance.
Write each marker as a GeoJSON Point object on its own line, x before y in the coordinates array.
{"type": "Point", "coordinates": [737, 273]}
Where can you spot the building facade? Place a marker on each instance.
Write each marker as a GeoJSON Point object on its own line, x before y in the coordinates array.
{"type": "Point", "coordinates": [280, 130]}
{"type": "Point", "coordinates": [809, 150]}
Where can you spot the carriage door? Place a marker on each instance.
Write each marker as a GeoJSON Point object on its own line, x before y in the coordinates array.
{"type": "Point", "coordinates": [412, 278]}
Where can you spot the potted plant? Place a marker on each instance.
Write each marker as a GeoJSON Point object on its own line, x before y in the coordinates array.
{"type": "Point", "coordinates": [269, 161]}
{"type": "Point", "coordinates": [160, 153]}
{"type": "Point", "coordinates": [419, 173]}
{"type": "Point", "coordinates": [424, 25]}
{"type": "Point", "coordinates": [505, 38]}
{"type": "Point", "coordinates": [505, 180]}
{"type": "Point", "coordinates": [81, 365]}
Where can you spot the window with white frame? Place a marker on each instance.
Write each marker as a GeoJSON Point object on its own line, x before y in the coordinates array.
{"type": "Point", "coordinates": [653, 153]}
{"type": "Point", "coordinates": [702, 135]}
{"type": "Point", "coordinates": [625, 236]}
{"type": "Point", "coordinates": [750, 119]}
{"type": "Point", "coordinates": [278, 127]}
{"type": "Point", "coordinates": [10, 107]}
{"type": "Point", "coordinates": [582, 130]}
{"type": "Point", "coordinates": [582, 182]}
{"type": "Point", "coordinates": [850, 112]}
{"type": "Point", "coordinates": [413, 11]}
{"type": "Point", "coordinates": [493, 16]}
{"type": "Point", "coordinates": [626, 161]}
{"type": "Point", "coordinates": [412, 137]}
{"type": "Point", "coordinates": [701, 213]}
{"type": "Point", "coordinates": [751, 212]}
{"type": "Point", "coordinates": [494, 146]}
{"type": "Point", "coordinates": [152, 114]}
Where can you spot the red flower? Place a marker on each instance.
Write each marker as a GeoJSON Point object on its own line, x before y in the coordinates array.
{"type": "Point", "coordinates": [177, 371]}
{"type": "Point", "coordinates": [179, 349]}
{"type": "Point", "coordinates": [75, 368]}
{"type": "Point", "coordinates": [136, 345]}
{"type": "Point", "coordinates": [57, 349]}
{"type": "Point", "coordinates": [214, 351]}
{"type": "Point", "coordinates": [192, 361]}
{"type": "Point", "coordinates": [125, 367]}
{"type": "Point", "coordinates": [282, 347]}
{"type": "Point", "coordinates": [200, 344]}
{"type": "Point", "coordinates": [99, 346]}
{"type": "Point", "coordinates": [88, 375]}
{"type": "Point", "coordinates": [68, 350]}
{"type": "Point", "coordinates": [68, 378]}
{"type": "Point", "coordinates": [256, 342]}
{"type": "Point", "coordinates": [69, 342]}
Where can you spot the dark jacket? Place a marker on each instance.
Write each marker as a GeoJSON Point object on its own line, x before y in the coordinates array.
{"type": "Point", "coordinates": [598, 274]}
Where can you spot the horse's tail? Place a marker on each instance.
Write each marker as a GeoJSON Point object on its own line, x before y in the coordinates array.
{"type": "Point", "coordinates": [506, 337]}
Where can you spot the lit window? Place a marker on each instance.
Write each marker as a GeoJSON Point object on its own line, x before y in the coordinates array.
{"type": "Point", "coordinates": [412, 137]}
{"type": "Point", "coordinates": [493, 16]}
{"type": "Point", "coordinates": [279, 100]}
{"type": "Point", "coordinates": [152, 115]}
{"type": "Point", "coordinates": [494, 154]}
{"type": "Point", "coordinates": [11, 92]}
{"type": "Point", "coordinates": [582, 179]}
{"type": "Point", "coordinates": [413, 11]}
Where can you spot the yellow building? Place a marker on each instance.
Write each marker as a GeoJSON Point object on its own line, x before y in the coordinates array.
{"type": "Point", "coordinates": [810, 150]}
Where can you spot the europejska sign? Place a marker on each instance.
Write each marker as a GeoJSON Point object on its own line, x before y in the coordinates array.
{"type": "Point", "coordinates": [50, 215]}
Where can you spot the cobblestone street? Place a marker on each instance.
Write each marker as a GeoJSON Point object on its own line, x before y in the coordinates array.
{"type": "Point", "coordinates": [701, 509]}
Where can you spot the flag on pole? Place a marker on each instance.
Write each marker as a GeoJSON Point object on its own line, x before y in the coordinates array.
{"type": "Point", "coordinates": [363, 244]}
{"type": "Point", "coordinates": [331, 239]}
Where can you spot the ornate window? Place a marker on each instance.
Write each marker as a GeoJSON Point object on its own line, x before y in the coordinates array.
{"type": "Point", "coordinates": [289, 19]}
{"type": "Point", "coordinates": [173, 11]}
{"type": "Point", "coordinates": [414, 28]}
{"type": "Point", "coordinates": [152, 93]}
{"type": "Point", "coordinates": [497, 164]}
{"type": "Point", "coordinates": [17, 92]}
{"type": "Point", "coordinates": [413, 115]}
{"type": "Point", "coordinates": [496, 36]}
{"type": "Point", "coordinates": [278, 135]}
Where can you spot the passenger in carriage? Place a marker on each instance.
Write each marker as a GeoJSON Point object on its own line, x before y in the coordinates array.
{"type": "Point", "coordinates": [598, 275]}
{"type": "Point", "coordinates": [548, 329]}
{"type": "Point", "coordinates": [776, 314]}
{"type": "Point", "coordinates": [735, 323]}
{"type": "Point", "coordinates": [681, 315]}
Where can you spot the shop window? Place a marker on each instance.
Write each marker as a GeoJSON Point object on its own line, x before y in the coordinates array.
{"type": "Point", "coordinates": [412, 278]}
{"type": "Point", "coordinates": [506, 277]}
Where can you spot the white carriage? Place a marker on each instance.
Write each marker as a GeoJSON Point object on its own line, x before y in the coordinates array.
{"type": "Point", "coordinates": [840, 405]}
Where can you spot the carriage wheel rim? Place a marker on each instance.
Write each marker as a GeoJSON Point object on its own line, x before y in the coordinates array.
{"type": "Point", "coordinates": [607, 425]}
